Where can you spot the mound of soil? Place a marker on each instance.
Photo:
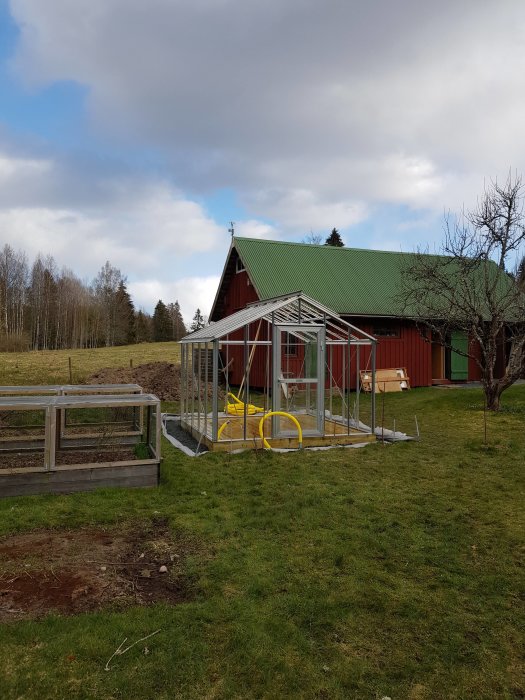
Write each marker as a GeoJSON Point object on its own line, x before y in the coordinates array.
{"type": "Point", "coordinates": [160, 378]}
{"type": "Point", "coordinates": [70, 572]}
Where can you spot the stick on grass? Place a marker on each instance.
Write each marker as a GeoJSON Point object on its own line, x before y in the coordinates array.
{"type": "Point", "coordinates": [119, 650]}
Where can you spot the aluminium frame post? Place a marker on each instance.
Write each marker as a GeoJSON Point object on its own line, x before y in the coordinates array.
{"type": "Point", "coordinates": [181, 405]}
{"type": "Point", "coordinates": [276, 358]}
{"type": "Point", "coordinates": [343, 382]}
{"type": "Point", "coordinates": [192, 383]}
{"type": "Point", "coordinates": [267, 403]}
{"type": "Point", "coordinates": [330, 372]}
{"type": "Point", "coordinates": [207, 361]}
{"type": "Point", "coordinates": [188, 383]}
{"type": "Point", "coordinates": [184, 378]}
{"type": "Point", "coordinates": [373, 403]}
{"type": "Point", "coordinates": [357, 383]}
{"type": "Point", "coordinates": [199, 370]}
{"type": "Point", "coordinates": [246, 387]}
{"type": "Point", "coordinates": [321, 370]}
{"type": "Point", "coordinates": [215, 392]}
{"type": "Point", "coordinates": [346, 391]}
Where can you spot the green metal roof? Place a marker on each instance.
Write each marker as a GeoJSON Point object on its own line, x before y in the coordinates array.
{"type": "Point", "coordinates": [347, 280]}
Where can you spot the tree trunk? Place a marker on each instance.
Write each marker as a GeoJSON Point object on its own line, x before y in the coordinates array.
{"type": "Point", "coordinates": [492, 395]}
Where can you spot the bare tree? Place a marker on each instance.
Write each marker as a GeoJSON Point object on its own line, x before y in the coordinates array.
{"type": "Point", "coordinates": [313, 238]}
{"type": "Point", "coordinates": [43, 303]}
{"type": "Point", "coordinates": [469, 289]}
{"type": "Point", "coordinates": [44, 308]}
{"type": "Point", "coordinates": [105, 286]}
{"type": "Point", "coordinates": [13, 291]}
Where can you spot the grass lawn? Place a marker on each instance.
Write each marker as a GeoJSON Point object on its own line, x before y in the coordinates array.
{"type": "Point", "coordinates": [387, 571]}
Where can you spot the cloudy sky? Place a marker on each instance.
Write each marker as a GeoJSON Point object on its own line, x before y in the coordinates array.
{"type": "Point", "coordinates": [134, 131]}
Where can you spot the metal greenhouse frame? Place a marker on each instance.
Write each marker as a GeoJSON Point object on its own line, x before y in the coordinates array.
{"type": "Point", "coordinates": [287, 348]}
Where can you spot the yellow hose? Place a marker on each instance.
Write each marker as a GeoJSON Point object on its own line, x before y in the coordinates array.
{"type": "Point", "coordinates": [237, 408]}
{"type": "Point", "coordinates": [279, 413]}
{"type": "Point", "coordinates": [221, 429]}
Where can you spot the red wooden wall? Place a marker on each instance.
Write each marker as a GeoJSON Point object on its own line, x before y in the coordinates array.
{"type": "Point", "coordinates": [239, 293]}
{"type": "Point", "coordinates": [408, 350]}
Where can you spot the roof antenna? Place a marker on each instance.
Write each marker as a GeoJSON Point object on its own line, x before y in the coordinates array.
{"type": "Point", "coordinates": [231, 230]}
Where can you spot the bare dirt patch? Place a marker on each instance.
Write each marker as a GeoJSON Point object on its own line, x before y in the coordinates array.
{"type": "Point", "coordinates": [31, 460]}
{"type": "Point", "coordinates": [69, 572]}
{"type": "Point", "coordinates": [160, 378]}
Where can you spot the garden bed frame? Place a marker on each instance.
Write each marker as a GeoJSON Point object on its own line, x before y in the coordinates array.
{"type": "Point", "coordinates": [77, 390]}
{"type": "Point", "coordinates": [86, 475]}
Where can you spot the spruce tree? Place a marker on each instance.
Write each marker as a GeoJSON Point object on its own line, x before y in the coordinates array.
{"type": "Point", "coordinates": [143, 327]}
{"type": "Point", "coordinates": [124, 316]}
{"type": "Point", "coordinates": [161, 323]}
{"type": "Point", "coordinates": [197, 322]}
{"type": "Point", "coordinates": [178, 329]}
{"type": "Point", "coordinates": [334, 239]}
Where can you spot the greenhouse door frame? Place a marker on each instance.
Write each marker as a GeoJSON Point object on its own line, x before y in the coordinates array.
{"type": "Point", "coordinates": [278, 378]}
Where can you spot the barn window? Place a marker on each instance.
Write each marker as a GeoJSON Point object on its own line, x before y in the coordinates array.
{"type": "Point", "coordinates": [239, 265]}
{"type": "Point", "coordinates": [386, 329]}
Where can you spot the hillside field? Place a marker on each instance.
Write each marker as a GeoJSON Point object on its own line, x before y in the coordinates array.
{"type": "Point", "coordinates": [52, 366]}
{"type": "Point", "coordinates": [389, 571]}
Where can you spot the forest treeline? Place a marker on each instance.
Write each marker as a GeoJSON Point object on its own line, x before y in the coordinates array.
{"type": "Point", "coordinates": [43, 307]}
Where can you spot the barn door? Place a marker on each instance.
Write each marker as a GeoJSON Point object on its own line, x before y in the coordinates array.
{"type": "Point", "coordinates": [458, 363]}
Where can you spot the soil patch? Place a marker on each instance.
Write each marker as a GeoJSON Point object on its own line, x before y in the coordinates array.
{"type": "Point", "coordinates": [70, 572]}
{"type": "Point", "coordinates": [28, 460]}
{"type": "Point", "coordinates": [160, 378]}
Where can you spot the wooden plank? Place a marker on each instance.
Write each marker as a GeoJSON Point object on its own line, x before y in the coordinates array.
{"type": "Point", "coordinates": [65, 475]}
{"type": "Point", "coordinates": [74, 467]}
{"type": "Point", "coordinates": [37, 489]}
{"type": "Point", "coordinates": [56, 389]}
{"type": "Point", "coordinates": [68, 481]}
{"type": "Point", "coordinates": [291, 443]}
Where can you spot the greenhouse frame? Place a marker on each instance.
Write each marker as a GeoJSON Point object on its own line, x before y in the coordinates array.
{"type": "Point", "coordinates": [298, 359]}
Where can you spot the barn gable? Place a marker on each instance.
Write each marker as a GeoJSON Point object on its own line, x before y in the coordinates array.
{"type": "Point", "coordinates": [351, 281]}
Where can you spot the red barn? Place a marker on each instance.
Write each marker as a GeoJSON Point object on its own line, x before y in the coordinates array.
{"type": "Point", "coordinates": [361, 285]}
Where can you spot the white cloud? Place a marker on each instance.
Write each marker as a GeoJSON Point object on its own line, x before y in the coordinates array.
{"type": "Point", "coordinates": [146, 228]}
{"type": "Point", "coordinates": [354, 103]}
{"type": "Point", "coordinates": [16, 169]}
{"type": "Point", "coordinates": [252, 228]}
{"type": "Point", "coordinates": [191, 293]}
{"type": "Point", "coordinates": [301, 210]}
{"type": "Point", "coordinates": [314, 114]}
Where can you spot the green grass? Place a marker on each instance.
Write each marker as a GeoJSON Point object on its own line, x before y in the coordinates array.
{"type": "Point", "coordinates": [52, 367]}
{"type": "Point", "coordinates": [388, 571]}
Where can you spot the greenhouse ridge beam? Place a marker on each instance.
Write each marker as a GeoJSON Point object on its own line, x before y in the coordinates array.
{"type": "Point", "coordinates": [297, 309]}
